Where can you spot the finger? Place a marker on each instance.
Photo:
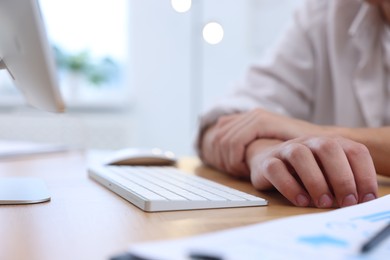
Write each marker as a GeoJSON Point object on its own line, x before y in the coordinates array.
{"type": "Point", "coordinates": [337, 170]}
{"type": "Point", "coordinates": [237, 134]}
{"type": "Point", "coordinates": [274, 171]}
{"type": "Point", "coordinates": [224, 127]}
{"type": "Point", "coordinates": [363, 168]}
{"type": "Point", "coordinates": [223, 148]}
{"type": "Point", "coordinates": [217, 156]}
{"type": "Point", "coordinates": [211, 150]}
{"type": "Point", "coordinates": [301, 158]}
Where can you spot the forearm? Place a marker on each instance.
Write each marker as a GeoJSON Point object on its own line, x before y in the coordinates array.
{"type": "Point", "coordinates": [377, 141]}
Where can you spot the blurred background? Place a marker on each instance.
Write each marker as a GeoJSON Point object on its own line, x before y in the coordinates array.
{"type": "Point", "coordinates": [137, 73]}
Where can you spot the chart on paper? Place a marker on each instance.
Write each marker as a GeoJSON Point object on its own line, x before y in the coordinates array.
{"type": "Point", "coordinates": [338, 234]}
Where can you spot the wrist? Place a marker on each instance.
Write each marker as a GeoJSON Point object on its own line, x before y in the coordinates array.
{"type": "Point", "coordinates": [258, 146]}
{"type": "Point", "coordinates": [341, 131]}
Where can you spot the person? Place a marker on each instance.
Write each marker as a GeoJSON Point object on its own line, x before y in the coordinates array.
{"type": "Point", "coordinates": [312, 120]}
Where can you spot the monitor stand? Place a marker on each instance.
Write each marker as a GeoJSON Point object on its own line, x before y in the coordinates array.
{"type": "Point", "coordinates": [21, 190]}
{"type": "Point", "coordinates": [3, 66]}
{"type": "Point", "coordinates": [15, 191]}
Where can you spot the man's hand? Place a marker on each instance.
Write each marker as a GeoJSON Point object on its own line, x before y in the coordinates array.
{"type": "Point", "coordinates": [321, 171]}
{"type": "Point", "coordinates": [224, 144]}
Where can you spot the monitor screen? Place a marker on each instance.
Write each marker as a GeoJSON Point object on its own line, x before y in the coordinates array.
{"type": "Point", "coordinates": [26, 54]}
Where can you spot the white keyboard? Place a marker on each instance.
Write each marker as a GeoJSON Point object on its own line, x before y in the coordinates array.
{"type": "Point", "coordinates": [159, 188]}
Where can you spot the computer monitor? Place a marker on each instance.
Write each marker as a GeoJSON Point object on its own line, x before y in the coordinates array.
{"type": "Point", "coordinates": [26, 54]}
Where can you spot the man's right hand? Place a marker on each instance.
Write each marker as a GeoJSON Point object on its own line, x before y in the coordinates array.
{"type": "Point", "coordinates": [316, 170]}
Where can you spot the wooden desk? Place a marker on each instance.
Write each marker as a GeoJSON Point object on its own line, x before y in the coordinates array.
{"type": "Point", "coordinates": [86, 221]}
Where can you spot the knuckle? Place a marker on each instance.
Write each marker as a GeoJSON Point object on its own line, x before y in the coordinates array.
{"type": "Point", "coordinates": [296, 151]}
{"type": "Point", "coordinates": [221, 121]}
{"type": "Point", "coordinates": [218, 122]}
{"type": "Point", "coordinates": [327, 145]}
{"type": "Point", "coordinates": [270, 165]}
{"type": "Point", "coordinates": [357, 150]}
{"type": "Point", "coordinates": [224, 119]}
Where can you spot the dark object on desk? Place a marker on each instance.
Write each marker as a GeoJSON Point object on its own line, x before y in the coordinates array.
{"type": "Point", "coordinates": [377, 239]}
{"type": "Point", "coordinates": [139, 156]}
{"type": "Point", "coordinates": [204, 256]}
{"type": "Point", "coordinates": [192, 256]}
{"type": "Point", "coordinates": [127, 256]}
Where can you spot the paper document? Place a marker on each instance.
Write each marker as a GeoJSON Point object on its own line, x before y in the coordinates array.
{"type": "Point", "coordinates": [337, 234]}
{"type": "Point", "coordinates": [10, 149]}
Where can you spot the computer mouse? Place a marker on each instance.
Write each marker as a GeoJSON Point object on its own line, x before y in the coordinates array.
{"type": "Point", "coordinates": [140, 156]}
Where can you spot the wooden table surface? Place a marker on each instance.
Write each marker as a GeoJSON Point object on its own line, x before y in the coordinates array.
{"type": "Point", "coordinates": [84, 220]}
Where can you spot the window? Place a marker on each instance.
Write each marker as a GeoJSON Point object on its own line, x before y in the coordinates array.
{"type": "Point", "coordinates": [90, 42]}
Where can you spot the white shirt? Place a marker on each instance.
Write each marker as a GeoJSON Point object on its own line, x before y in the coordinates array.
{"type": "Point", "coordinates": [328, 69]}
{"type": "Point", "coordinates": [386, 56]}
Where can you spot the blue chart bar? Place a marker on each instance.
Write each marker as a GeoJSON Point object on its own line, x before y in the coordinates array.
{"type": "Point", "coordinates": [385, 215]}
{"type": "Point", "coordinates": [323, 240]}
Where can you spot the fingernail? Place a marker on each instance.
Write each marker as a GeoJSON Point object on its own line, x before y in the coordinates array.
{"type": "Point", "coordinates": [325, 201]}
{"type": "Point", "coordinates": [368, 197]}
{"type": "Point", "coordinates": [302, 200]}
{"type": "Point", "coordinates": [349, 201]}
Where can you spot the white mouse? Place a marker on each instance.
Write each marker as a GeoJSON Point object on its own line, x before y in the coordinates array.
{"type": "Point", "coordinates": [138, 156]}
